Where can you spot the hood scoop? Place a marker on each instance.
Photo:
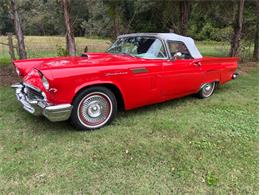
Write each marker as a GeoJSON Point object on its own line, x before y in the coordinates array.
{"type": "Point", "coordinates": [84, 55]}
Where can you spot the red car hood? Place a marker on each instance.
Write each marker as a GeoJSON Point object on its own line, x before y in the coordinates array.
{"type": "Point", "coordinates": [91, 59]}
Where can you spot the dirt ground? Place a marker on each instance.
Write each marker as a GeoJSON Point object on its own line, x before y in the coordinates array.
{"type": "Point", "coordinates": [8, 76]}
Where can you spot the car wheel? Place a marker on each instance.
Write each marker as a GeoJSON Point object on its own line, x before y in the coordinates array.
{"type": "Point", "coordinates": [207, 90]}
{"type": "Point", "coordinates": [93, 108]}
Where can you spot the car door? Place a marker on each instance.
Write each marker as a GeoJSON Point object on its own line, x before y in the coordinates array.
{"type": "Point", "coordinates": [143, 83]}
{"type": "Point", "coordinates": [180, 76]}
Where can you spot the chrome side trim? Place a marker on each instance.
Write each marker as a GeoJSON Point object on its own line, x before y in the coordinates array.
{"type": "Point", "coordinates": [115, 73]}
{"type": "Point", "coordinates": [139, 70]}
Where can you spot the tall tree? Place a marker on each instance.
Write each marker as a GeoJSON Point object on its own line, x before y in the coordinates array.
{"type": "Point", "coordinates": [114, 9]}
{"type": "Point", "coordinates": [237, 29]}
{"type": "Point", "coordinates": [256, 47]}
{"type": "Point", "coordinates": [18, 30]}
{"type": "Point", "coordinates": [70, 40]}
{"type": "Point", "coordinates": [184, 16]}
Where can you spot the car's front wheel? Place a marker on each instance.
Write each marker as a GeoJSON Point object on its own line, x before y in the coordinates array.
{"type": "Point", "coordinates": [207, 90]}
{"type": "Point", "coordinates": [93, 108]}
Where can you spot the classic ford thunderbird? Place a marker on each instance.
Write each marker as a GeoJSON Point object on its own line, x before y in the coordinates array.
{"type": "Point", "coordinates": [137, 70]}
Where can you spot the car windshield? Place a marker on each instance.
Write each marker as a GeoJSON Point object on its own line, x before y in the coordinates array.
{"type": "Point", "coordinates": [144, 47]}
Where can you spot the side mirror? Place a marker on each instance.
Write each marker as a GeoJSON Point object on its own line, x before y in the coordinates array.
{"type": "Point", "coordinates": [177, 55]}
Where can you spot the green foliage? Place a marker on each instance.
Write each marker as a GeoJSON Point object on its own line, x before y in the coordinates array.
{"type": "Point", "coordinates": [5, 61]}
{"type": "Point", "coordinates": [5, 18]}
{"type": "Point", "coordinates": [41, 17]}
{"type": "Point", "coordinates": [98, 23]}
{"type": "Point", "coordinates": [208, 20]}
{"type": "Point", "coordinates": [209, 32]}
{"type": "Point", "coordinates": [221, 34]}
{"type": "Point", "coordinates": [245, 50]}
{"type": "Point", "coordinates": [61, 51]}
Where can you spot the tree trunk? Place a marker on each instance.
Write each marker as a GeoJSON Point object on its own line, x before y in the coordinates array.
{"type": "Point", "coordinates": [184, 16]}
{"type": "Point", "coordinates": [237, 28]}
{"type": "Point", "coordinates": [256, 47]}
{"type": "Point", "coordinates": [18, 31]}
{"type": "Point", "coordinates": [11, 45]}
{"type": "Point", "coordinates": [117, 24]}
{"type": "Point", "coordinates": [70, 41]}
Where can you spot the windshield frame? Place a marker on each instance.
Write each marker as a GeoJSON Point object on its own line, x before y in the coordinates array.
{"type": "Point", "coordinates": [146, 36]}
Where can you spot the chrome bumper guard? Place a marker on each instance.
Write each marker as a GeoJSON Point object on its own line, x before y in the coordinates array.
{"type": "Point", "coordinates": [38, 107]}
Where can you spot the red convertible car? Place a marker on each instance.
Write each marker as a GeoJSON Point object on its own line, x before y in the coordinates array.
{"type": "Point", "coordinates": [137, 70]}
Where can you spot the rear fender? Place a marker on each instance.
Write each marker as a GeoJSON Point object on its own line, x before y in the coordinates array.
{"type": "Point", "coordinates": [211, 76]}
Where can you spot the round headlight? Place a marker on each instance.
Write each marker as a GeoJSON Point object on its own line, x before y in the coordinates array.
{"type": "Point", "coordinates": [45, 83]}
{"type": "Point", "coordinates": [17, 71]}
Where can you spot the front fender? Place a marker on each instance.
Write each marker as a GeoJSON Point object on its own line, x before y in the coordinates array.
{"type": "Point", "coordinates": [100, 83]}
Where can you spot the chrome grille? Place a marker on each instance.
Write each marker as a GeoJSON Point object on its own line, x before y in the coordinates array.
{"type": "Point", "coordinates": [33, 94]}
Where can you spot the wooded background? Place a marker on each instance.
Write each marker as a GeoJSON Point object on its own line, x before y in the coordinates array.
{"type": "Point", "coordinates": [233, 21]}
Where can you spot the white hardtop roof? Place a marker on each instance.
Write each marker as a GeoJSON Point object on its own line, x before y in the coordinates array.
{"type": "Point", "coordinates": [189, 42]}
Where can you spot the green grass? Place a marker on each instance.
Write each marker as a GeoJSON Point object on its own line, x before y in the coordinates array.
{"type": "Point", "coordinates": [213, 48]}
{"type": "Point", "coordinates": [182, 146]}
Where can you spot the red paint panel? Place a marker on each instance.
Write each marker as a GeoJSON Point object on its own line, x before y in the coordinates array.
{"type": "Point", "coordinates": [140, 81]}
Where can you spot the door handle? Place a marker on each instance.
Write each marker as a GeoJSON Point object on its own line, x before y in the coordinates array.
{"type": "Point", "coordinates": [198, 64]}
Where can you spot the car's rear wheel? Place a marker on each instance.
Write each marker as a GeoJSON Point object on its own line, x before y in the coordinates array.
{"type": "Point", "coordinates": [207, 90]}
{"type": "Point", "coordinates": [93, 108]}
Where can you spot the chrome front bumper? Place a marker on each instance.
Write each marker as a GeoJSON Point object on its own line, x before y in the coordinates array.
{"type": "Point", "coordinates": [38, 107]}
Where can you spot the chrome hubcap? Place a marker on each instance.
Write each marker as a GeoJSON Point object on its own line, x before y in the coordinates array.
{"type": "Point", "coordinates": [95, 110]}
{"type": "Point", "coordinates": [208, 89]}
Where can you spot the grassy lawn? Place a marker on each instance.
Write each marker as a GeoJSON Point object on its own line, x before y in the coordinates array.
{"type": "Point", "coordinates": [187, 145]}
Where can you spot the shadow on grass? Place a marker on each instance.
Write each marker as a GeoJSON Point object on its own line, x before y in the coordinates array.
{"type": "Point", "coordinates": [40, 123]}
{"type": "Point", "coordinates": [174, 102]}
